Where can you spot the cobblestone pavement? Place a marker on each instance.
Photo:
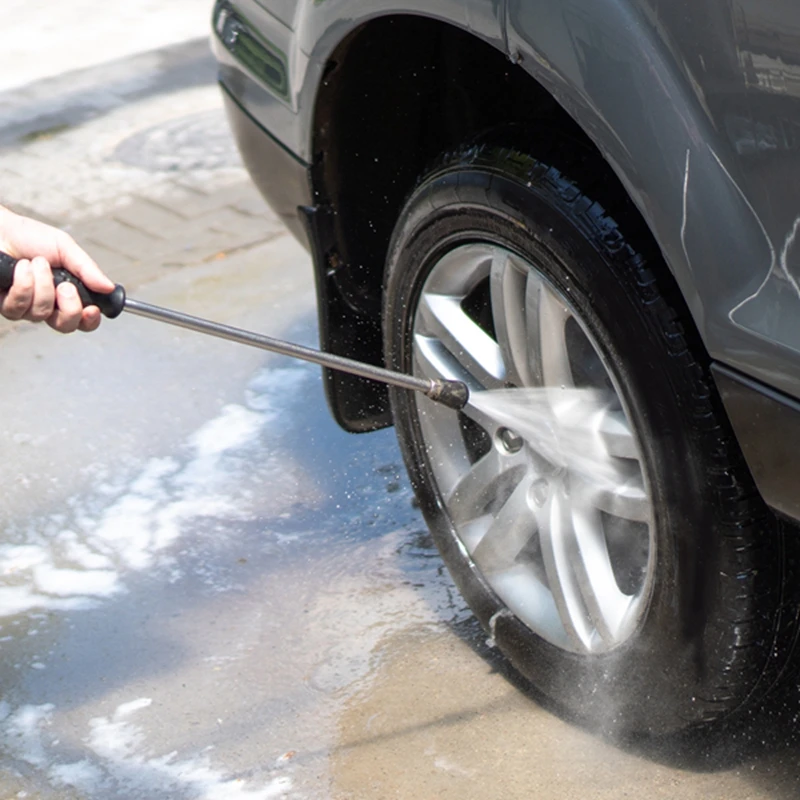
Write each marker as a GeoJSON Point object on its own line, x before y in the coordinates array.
{"type": "Point", "coordinates": [146, 177]}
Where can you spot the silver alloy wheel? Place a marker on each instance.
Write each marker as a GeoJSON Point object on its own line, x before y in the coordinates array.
{"type": "Point", "coordinates": [543, 479]}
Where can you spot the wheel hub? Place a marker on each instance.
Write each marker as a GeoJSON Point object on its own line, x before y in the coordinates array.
{"type": "Point", "coordinates": [557, 514]}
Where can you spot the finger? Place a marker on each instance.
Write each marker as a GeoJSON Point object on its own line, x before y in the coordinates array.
{"type": "Point", "coordinates": [69, 309]}
{"type": "Point", "coordinates": [44, 293]}
{"type": "Point", "coordinates": [75, 259]}
{"type": "Point", "coordinates": [19, 297]}
{"type": "Point", "coordinates": [90, 320]}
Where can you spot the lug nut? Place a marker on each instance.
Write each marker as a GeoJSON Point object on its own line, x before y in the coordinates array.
{"type": "Point", "coordinates": [540, 491]}
{"type": "Point", "coordinates": [511, 441]}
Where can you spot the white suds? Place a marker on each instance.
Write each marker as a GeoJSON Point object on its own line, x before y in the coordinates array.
{"type": "Point", "coordinates": [118, 756]}
{"type": "Point", "coordinates": [72, 561]}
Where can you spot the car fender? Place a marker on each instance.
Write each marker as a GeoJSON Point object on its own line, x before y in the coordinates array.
{"type": "Point", "coordinates": [303, 48]}
{"type": "Point", "coordinates": [616, 72]}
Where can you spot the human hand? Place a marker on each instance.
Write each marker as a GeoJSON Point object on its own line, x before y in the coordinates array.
{"type": "Point", "coordinates": [33, 296]}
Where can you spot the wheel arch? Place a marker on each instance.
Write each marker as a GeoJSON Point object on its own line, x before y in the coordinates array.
{"type": "Point", "coordinates": [372, 138]}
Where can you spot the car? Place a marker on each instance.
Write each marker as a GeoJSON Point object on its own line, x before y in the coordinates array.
{"type": "Point", "coordinates": [588, 209]}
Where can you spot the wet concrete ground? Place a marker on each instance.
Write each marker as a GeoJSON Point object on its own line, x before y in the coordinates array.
{"type": "Point", "coordinates": [208, 591]}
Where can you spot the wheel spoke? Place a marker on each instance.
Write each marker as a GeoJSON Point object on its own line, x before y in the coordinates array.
{"type": "Point", "coordinates": [625, 497]}
{"type": "Point", "coordinates": [615, 433]}
{"type": "Point", "coordinates": [557, 541]}
{"type": "Point", "coordinates": [605, 604]}
{"type": "Point", "coordinates": [441, 317]}
{"type": "Point", "coordinates": [510, 531]}
{"type": "Point", "coordinates": [547, 321]}
{"type": "Point", "coordinates": [461, 270]}
{"type": "Point", "coordinates": [579, 572]}
{"type": "Point", "coordinates": [433, 360]}
{"type": "Point", "coordinates": [488, 480]}
{"type": "Point", "coordinates": [440, 428]}
{"type": "Point", "coordinates": [508, 285]}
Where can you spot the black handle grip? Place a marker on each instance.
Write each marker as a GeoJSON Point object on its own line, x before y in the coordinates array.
{"type": "Point", "coordinates": [111, 305]}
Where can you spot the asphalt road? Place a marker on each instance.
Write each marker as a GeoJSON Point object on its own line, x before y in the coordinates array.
{"type": "Point", "coordinates": [209, 591]}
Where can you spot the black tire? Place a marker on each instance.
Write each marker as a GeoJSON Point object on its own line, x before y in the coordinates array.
{"type": "Point", "coordinates": [714, 635]}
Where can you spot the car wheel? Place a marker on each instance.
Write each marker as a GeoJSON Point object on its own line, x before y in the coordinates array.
{"type": "Point", "coordinates": [592, 505]}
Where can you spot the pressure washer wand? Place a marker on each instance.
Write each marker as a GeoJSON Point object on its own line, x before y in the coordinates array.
{"type": "Point", "coordinates": [453, 394]}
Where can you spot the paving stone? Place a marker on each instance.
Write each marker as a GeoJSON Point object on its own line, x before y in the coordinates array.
{"type": "Point", "coordinates": [31, 194]}
{"type": "Point", "coordinates": [198, 232]}
{"type": "Point", "coordinates": [190, 203]}
{"type": "Point", "coordinates": [230, 220]}
{"type": "Point", "coordinates": [253, 203]}
{"type": "Point", "coordinates": [109, 260]}
{"type": "Point", "coordinates": [205, 181]}
{"type": "Point", "coordinates": [202, 249]}
{"type": "Point", "coordinates": [19, 208]}
{"type": "Point", "coordinates": [148, 217]}
{"type": "Point", "coordinates": [121, 239]}
{"type": "Point", "coordinates": [135, 274]}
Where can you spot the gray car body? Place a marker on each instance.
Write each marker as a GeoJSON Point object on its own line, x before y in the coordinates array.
{"type": "Point", "coordinates": [693, 103]}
